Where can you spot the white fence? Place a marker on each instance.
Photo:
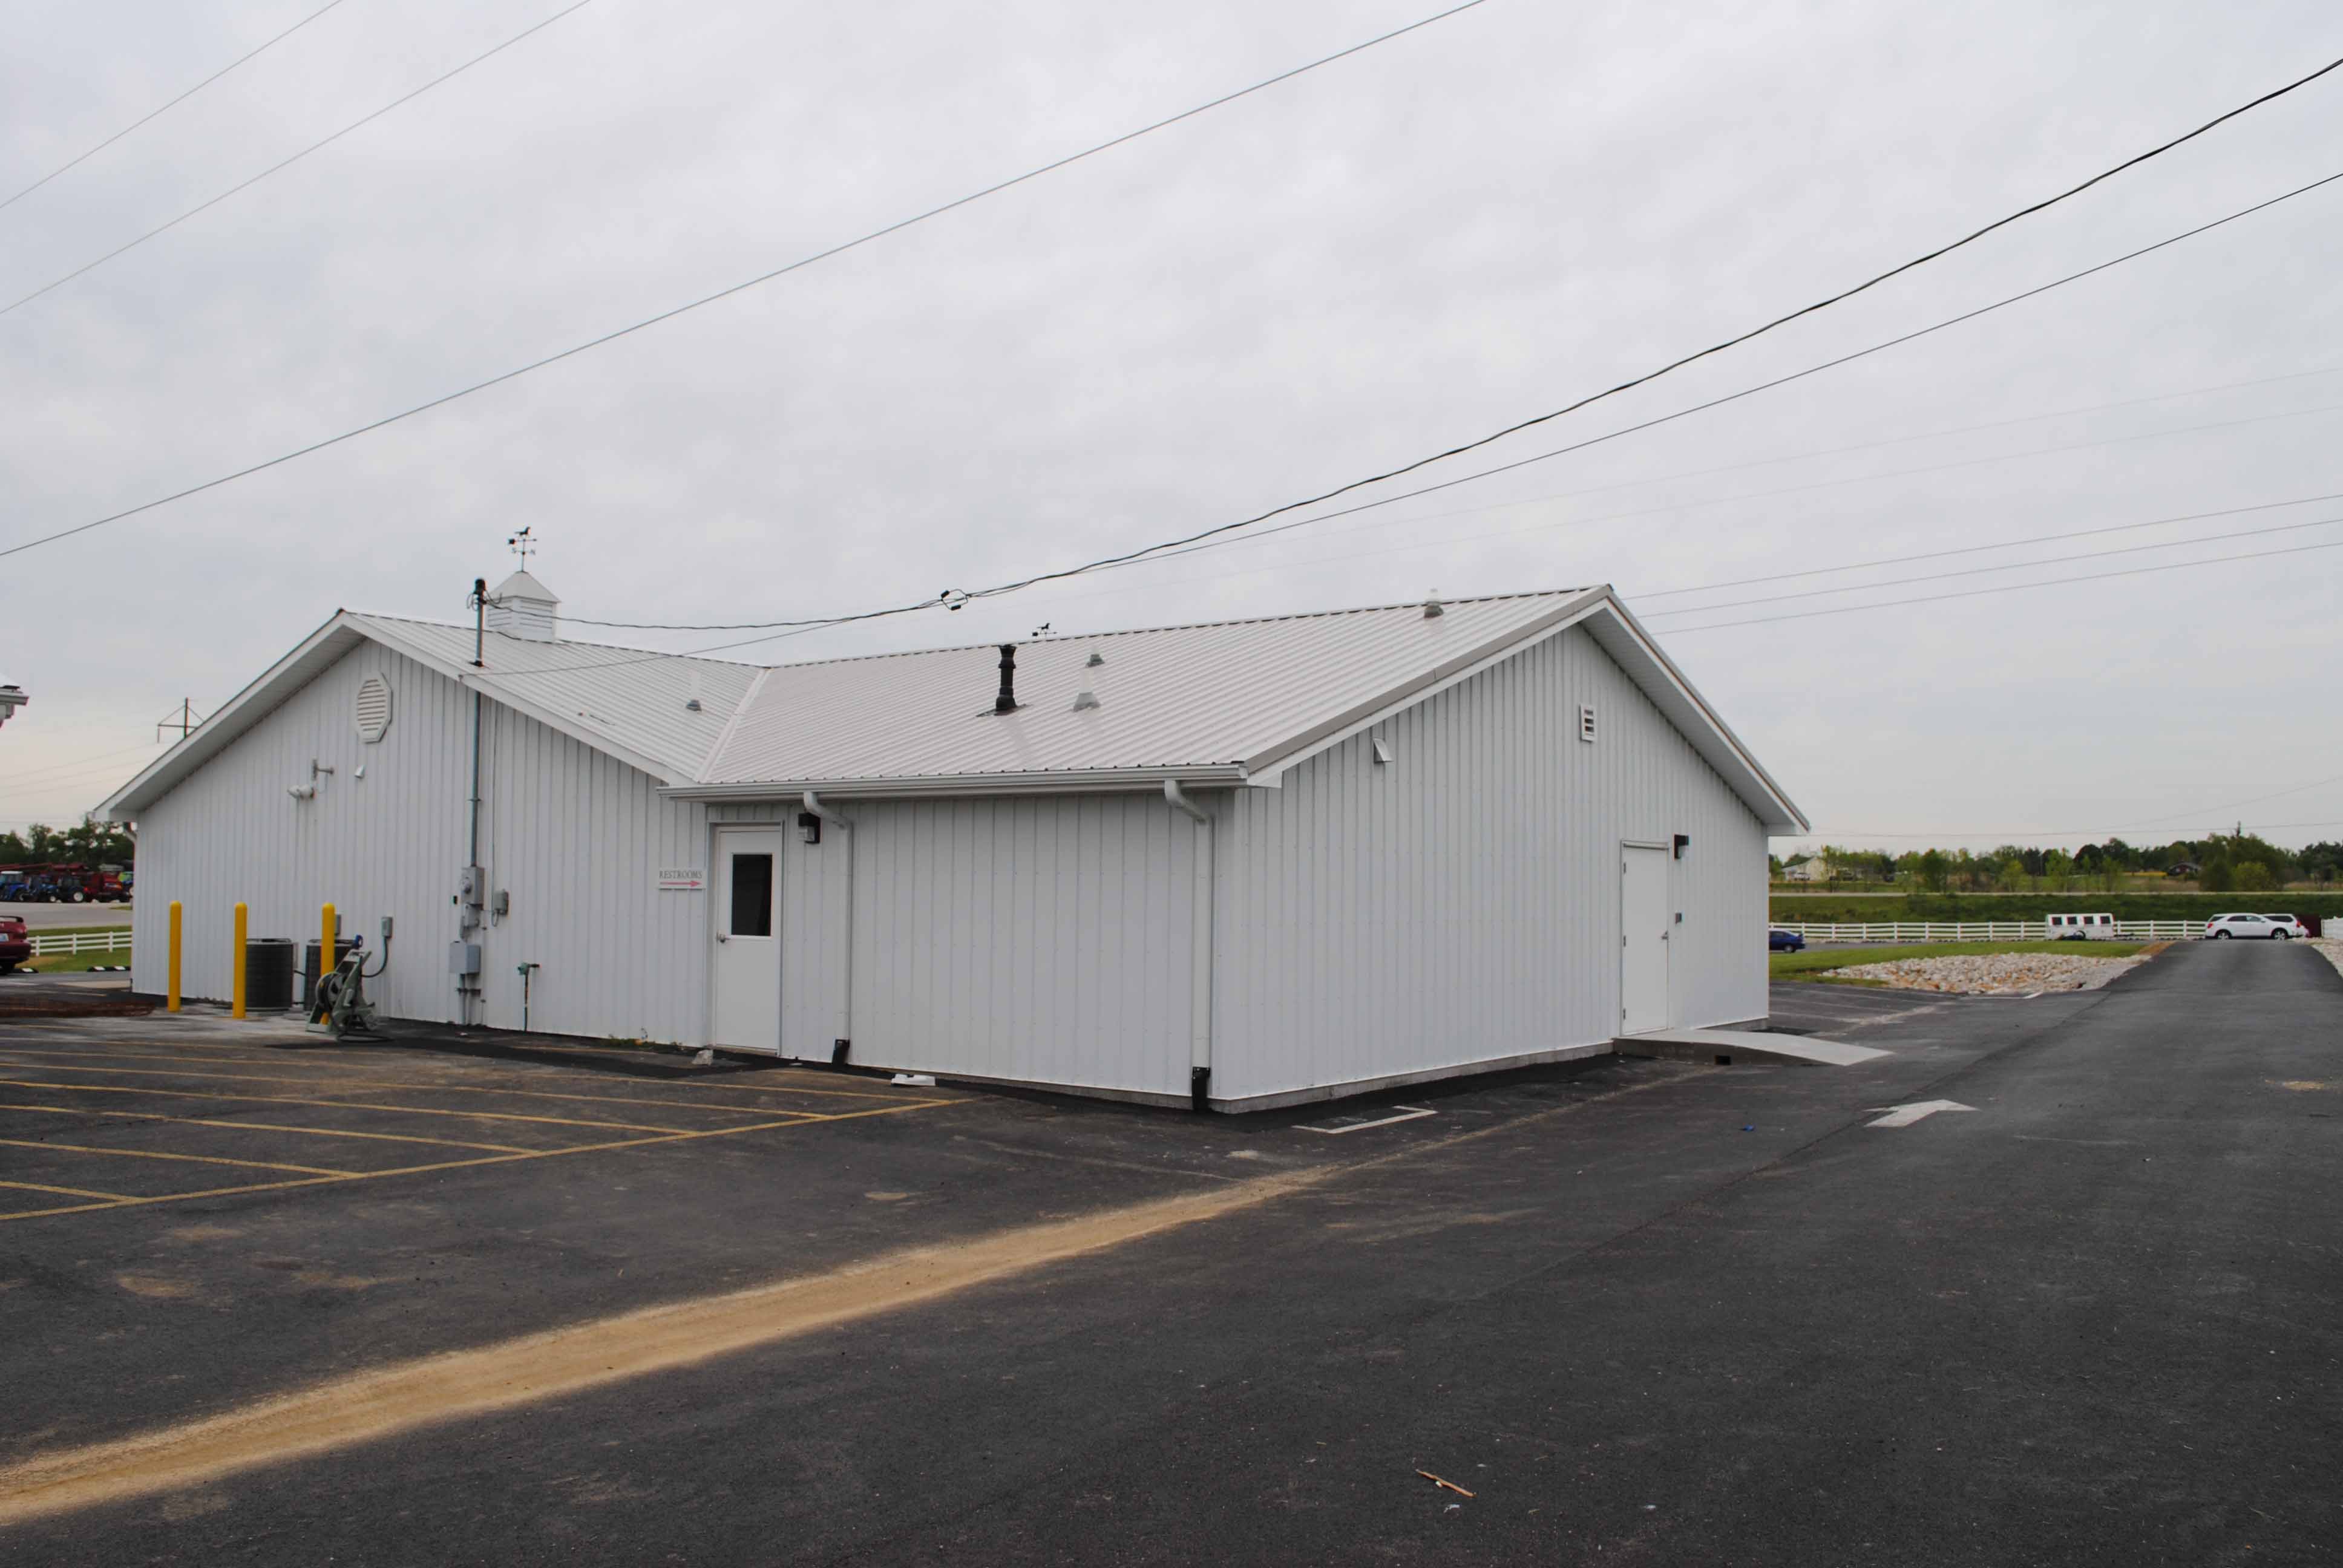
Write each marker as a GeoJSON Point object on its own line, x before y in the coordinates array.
{"type": "Point", "coordinates": [108, 941]}
{"type": "Point", "coordinates": [1982, 931]}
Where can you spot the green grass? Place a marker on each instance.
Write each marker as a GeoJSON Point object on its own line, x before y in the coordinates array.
{"type": "Point", "coordinates": [1813, 964]}
{"type": "Point", "coordinates": [74, 963]}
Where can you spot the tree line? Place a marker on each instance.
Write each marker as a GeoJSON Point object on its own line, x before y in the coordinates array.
{"type": "Point", "coordinates": [2225, 863]}
{"type": "Point", "coordinates": [86, 843]}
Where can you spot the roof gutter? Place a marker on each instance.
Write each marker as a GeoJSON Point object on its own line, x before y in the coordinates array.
{"type": "Point", "coordinates": [1055, 781]}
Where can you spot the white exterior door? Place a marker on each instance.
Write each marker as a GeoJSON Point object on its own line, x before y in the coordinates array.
{"type": "Point", "coordinates": [1643, 926]}
{"type": "Point", "coordinates": [744, 1011]}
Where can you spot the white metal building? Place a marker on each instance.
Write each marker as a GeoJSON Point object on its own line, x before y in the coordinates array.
{"type": "Point", "coordinates": [1252, 863]}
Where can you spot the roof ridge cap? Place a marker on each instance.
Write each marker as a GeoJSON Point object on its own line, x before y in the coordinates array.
{"type": "Point", "coordinates": [1194, 626]}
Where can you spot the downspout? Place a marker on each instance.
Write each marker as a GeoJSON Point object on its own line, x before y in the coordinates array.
{"type": "Point", "coordinates": [472, 853]}
{"type": "Point", "coordinates": [844, 1042]}
{"type": "Point", "coordinates": [1199, 994]}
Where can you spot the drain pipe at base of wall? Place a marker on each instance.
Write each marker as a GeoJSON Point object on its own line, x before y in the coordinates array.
{"type": "Point", "coordinates": [843, 1044]}
{"type": "Point", "coordinates": [1200, 1002]}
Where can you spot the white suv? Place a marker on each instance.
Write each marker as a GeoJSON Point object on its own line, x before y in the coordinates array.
{"type": "Point", "coordinates": [2227, 926]}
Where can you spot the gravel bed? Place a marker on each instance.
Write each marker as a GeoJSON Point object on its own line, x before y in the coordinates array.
{"type": "Point", "coordinates": [1997, 974]}
{"type": "Point", "coordinates": [2332, 946]}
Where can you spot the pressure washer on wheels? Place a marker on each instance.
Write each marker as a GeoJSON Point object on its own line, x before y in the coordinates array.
{"type": "Point", "coordinates": [340, 1003]}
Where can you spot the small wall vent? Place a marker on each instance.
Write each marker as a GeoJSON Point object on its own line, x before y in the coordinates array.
{"type": "Point", "coordinates": [372, 708]}
{"type": "Point", "coordinates": [1586, 721]}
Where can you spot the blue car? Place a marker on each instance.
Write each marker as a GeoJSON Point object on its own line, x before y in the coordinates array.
{"type": "Point", "coordinates": [1780, 941]}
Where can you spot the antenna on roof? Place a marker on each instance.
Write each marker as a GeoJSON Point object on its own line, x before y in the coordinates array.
{"type": "Point", "coordinates": [522, 544]}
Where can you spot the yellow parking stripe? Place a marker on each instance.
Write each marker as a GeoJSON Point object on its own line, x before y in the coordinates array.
{"type": "Point", "coordinates": [382, 1083]}
{"type": "Point", "coordinates": [115, 1202]}
{"type": "Point", "coordinates": [68, 1192]}
{"type": "Point", "coordinates": [153, 1154]}
{"type": "Point", "coordinates": [333, 1064]}
{"type": "Point", "coordinates": [269, 1127]}
{"type": "Point", "coordinates": [344, 1105]}
{"type": "Point", "coordinates": [591, 1054]}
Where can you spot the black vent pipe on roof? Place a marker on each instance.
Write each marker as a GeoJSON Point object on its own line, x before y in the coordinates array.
{"type": "Point", "coordinates": [1007, 701]}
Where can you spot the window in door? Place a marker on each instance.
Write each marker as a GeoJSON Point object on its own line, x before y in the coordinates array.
{"type": "Point", "coordinates": [752, 895]}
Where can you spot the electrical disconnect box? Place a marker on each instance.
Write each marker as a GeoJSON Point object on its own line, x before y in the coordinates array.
{"type": "Point", "coordinates": [463, 957]}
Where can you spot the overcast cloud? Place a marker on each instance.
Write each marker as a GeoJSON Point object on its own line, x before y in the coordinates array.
{"type": "Point", "coordinates": [1479, 222]}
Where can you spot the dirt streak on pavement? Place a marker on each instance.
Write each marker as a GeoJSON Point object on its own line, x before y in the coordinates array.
{"type": "Point", "coordinates": [535, 1367]}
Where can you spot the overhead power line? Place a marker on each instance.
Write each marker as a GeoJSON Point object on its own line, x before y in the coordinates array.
{"type": "Point", "coordinates": [2012, 834]}
{"type": "Point", "coordinates": [1447, 541]}
{"type": "Point", "coordinates": [284, 164]}
{"type": "Point", "coordinates": [802, 261]}
{"type": "Point", "coordinates": [1775, 459]}
{"type": "Point", "coordinates": [1218, 537]}
{"type": "Point", "coordinates": [2008, 567]}
{"type": "Point", "coordinates": [2119, 827]}
{"type": "Point", "coordinates": [1033, 174]}
{"type": "Point", "coordinates": [243, 59]}
{"type": "Point", "coordinates": [39, 776]}
{"type": "Point", "coordinates": [2006, 587]}
{"type": "Point", "coordinates": [1825, 452]}
{"type": "Point", "coordinates": [1975, 549]}
{"type": "Point", "coordinates": [1210, 539]}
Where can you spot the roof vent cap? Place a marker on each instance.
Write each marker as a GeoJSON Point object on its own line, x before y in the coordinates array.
{"type": "Point", "coordinates": [1095, 660]}
{"type": "Point", "coordinates": [1085, 701]}
{"type": "Point", "coordinates": [1432, 608]}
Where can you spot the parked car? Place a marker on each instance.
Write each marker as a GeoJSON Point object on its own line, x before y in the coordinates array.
{"type": "Point", "coordinates": [1780, 941]}
{"type": "Point", "coordinates": [16, 943]}
{"type": "Point", "coordinates": [2262, 926]}
{"type": "Point", "coordinates": [2287, 926]}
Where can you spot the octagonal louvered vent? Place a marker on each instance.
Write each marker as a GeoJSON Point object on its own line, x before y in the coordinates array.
{"type": "Point", "coordinates": [373, 708]}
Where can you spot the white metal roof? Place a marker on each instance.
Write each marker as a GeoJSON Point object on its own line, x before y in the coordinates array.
{"type": "Point", "coordinates": [620, 700]}
{"type": "Point", "coordinates": [1230, 701]}
{"type": "Point", "coordinates": [1230, 693]}
{"type": "Point", "coordinates": [1227, 702]}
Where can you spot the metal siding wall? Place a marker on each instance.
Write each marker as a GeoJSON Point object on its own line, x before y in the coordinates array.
{"type": "Point", "coordinates": [574, 835]}
{"type": "Point", "coordinates": [576, 838]}
{"type": "Point", "coordinates": [1046, 941]}
{"type": "Point", "coordinates": [1461, 904]}
{"type": "Point", "coordinates": [389, 843]}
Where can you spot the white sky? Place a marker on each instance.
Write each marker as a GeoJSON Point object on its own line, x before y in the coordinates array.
{"type": "Point", "coordinates": [1479, 222]}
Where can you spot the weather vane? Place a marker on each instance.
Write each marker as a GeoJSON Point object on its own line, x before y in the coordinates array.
{"type": "Point", "coordinates": [521, 543]}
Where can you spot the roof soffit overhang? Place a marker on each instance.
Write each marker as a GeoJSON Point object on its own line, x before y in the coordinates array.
{"type": "Point", "coordinates": [1619, 633]}
{"type": "Point", "coordinates": [1616, 631]}
{"type": "Point", "coordinates": [1052, 782]}
{"type": "Point", "coordinates": [318, 653]}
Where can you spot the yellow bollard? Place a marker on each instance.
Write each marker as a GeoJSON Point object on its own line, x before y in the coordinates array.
{"type": "Point", "coordinates": [171, 1002]}
{"type": "Point", "coordinates": [327, 926]}
{"type": "Point", "coordinates": [235, 968]}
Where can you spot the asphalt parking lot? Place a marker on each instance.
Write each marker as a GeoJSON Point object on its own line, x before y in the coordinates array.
{"type": "Point", "coordinates": [1637, 1310]}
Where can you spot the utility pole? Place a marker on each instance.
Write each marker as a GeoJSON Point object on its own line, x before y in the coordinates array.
{"type": "Point", "coordinates": [184, 722]}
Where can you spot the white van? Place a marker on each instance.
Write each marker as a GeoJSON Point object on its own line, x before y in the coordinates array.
{"type": "Point", "coordinates": [2081, 927]}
